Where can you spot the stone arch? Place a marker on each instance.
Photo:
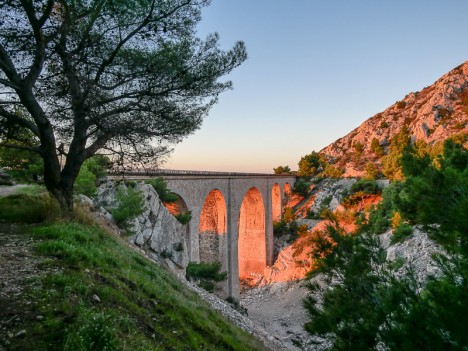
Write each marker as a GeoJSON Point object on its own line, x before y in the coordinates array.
{"type": "Point", "coordinates": [276, 203]}
{"type": "Point", "coordinates": [177, 207]}
{"type": "Point", "coordinates": [212, 228]}
{"type": "Point", "coordinates": [252, 238]}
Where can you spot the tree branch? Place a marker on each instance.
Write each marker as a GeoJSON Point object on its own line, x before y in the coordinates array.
{"type": "Point", "coordinates": [19, 121]}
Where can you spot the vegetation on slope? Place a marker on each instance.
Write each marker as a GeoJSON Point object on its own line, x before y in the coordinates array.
{"type": "Point", "coordinates": [98, 294]}
{"type": "Point", "coordinates": [370, 305]}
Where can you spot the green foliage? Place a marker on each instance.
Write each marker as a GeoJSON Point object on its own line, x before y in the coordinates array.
{"type": "Point", "coordinates": [291, 229]}
{"type": "Point", "coordinates": [141, 306]}
{"type": "Point", "coordinates": [22, 165]}
{"type": "Point", "coordinates": [184, 218]}
{"type": "Point", "coordinates": [301, 187]}
{"type": "Point", "coordinates": [401, 104]}
{"type": "Point", "coordinates": [206, 274]}
{"type": "Point", "coordinates": [331, 171]}
{"type": "Point", "coordinates": [366, 186]}
{"type": "Point", "coordinates": [288, 215]}
{"type": "Point", "coordinates": [160, 186]}
{"type": "Point", "coordinates": [358, 148]}
{"type": "Point", "coordinates": [371, 171]}
{"type": "Point", "coordinates": [282, 170]}
{"type": "Point", "coordinates": [310, 165]}
{"type": "Point", "coordinates": [98, 165]}
{"type": "Point", "coordinates": [92, 331]}
{"type": "Point", "coordinates": [85, 182]}
{"type": "Point", "coordinates": [366, 303]}
{"type": "Point", "coordinates": [28, 208]}
{"type": "Point", "coordinates": [130, 205]}
{"type": "Point", "coordinates": [391, 163]}
{"type": "Point", "coordinates": [376, 147]}
{"type": "Point", "coordinates": [401, 232]}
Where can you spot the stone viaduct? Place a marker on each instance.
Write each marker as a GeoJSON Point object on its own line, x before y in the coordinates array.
{"type": "Point", "coordinates": [232, 218]}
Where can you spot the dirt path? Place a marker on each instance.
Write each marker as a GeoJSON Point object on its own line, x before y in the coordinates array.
{"type": "Point", "coordinates": [6, 190]}
{"type": "Point", "coordinates": [19, 267]}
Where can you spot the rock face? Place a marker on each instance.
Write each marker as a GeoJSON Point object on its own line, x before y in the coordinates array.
{"type": "Point", "coordinates": [433, 114]}
{"type": "Point", "coordinates": [157, 232]}
{"type": "Point", "coordinates": [415, 253]}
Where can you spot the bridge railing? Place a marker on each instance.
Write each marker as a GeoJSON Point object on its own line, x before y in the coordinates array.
{"type": "Point", "coordinates": [168, 172]}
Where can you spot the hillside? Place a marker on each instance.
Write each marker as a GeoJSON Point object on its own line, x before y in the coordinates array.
{"type": "Point", "coordinates": [75, 286]}
{"type": "Point", "coordinates": [432, 114]}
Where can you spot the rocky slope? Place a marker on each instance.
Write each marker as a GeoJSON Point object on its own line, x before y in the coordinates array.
{"type": "Point", "coordinates": [432, 114]}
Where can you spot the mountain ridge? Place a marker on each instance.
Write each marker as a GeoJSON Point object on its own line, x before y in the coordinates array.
{"type": "Point", "coordinates": [433, 114]}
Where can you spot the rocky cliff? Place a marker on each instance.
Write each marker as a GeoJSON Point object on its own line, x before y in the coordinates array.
{"type": "Point", "coordinates": [432, 114]}
{"type": "Point", "coordinates": [156, 231]}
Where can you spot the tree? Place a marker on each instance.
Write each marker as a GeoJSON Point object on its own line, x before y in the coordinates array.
{"type": "Point", "coordinates": [129, 77]}
{"type": "Point", "coordinates": [391, 163]}
{"type": "Point", "coordinates": [310, 165]}
{"type": "Point", "coordinates": [282, 170]}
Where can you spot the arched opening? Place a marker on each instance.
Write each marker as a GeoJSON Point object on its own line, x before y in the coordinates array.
{"type": "Point", "coordinates": [276, 203]}
{"type": "Point", "coordinates": [286, 194]}
{"type": "Point", "coordinates": [212, 228]}
{"type": "Point", "coordinates": [179, 209]}
{"type": "Point", "coordinates": [252, 241]}
{"type": "Point", "coordinates": [176, 207]}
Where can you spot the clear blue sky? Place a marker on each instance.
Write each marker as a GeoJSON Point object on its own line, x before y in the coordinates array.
{"type": "Point", "coordinates": [316, 70]}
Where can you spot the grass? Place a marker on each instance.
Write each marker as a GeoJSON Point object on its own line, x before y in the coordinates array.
{"type": "Point", "coordinates": [25, 208]}
{"type": "Point", "coordinates": [99, 294]}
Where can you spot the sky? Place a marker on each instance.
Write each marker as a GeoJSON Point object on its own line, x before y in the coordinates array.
{"type": "Point", "coordinates": [316, 69]}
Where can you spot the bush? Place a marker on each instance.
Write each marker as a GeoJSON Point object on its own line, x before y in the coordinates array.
{"type": "Point", "coordinates": [205, 270]}
{"type": "Point", "coordinates": [184, 218]}
{"type": "Point", "coordinates": [366, 186]}
{"type": "Point", "coordinates": [301, 187]}
{"type": "Point", "coordinates": [401, 233]}
{"type": "Point", "coordinates": [131, 205]}
{"type": "Point", "coordinates": [85, 182]}
{"type": "Point", "coordinates": [206, 274]}
{"type": "Point", "coordinates": [160, 186]}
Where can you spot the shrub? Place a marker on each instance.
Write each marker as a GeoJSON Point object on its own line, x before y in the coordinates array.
{"type": "Point", "coordinates": [288, 215]}
{"type": "Point", "coordinates": [206, 274]}
{"type": "Point", "coordinates": [205, 270]}
{"type": "Point", "coordinates": [131, 205]}
{"type": "Point", "coordinates": [401, 104]}
{"type": "Point", "coordinates": [401, 233]}
{"type": "Point", "coordinates": [367, 186]}
{"type": "Point", "coordinates": [85, 182]}
{"type": "Point", "coordinates": [184, 218]}
{"type": "Point", "coordinates": [301, 187]}
{"type": "Point", "coordinates": [372, 171]}
{"type": "Point", "coordinates": [160, 186]}
{"type": "Point", "coordinates": [331, 171]}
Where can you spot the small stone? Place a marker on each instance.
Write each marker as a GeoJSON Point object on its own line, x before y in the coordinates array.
{"type": "Point", "coordinates": [96, 298]}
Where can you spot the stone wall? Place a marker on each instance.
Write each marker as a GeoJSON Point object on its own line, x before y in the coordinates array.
{"type": "Point", "coordinates": [212, 246]}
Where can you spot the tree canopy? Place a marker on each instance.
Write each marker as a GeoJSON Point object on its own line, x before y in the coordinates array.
{"type": "Point", "coordinates": [130, 77]}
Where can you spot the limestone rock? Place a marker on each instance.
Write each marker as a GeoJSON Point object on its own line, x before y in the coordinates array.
{"type": "Point", "coordinates": [415, 252]}
{"type": "Point", "coordinates": [432, 114]}
{"type": "Point", "coordinates": [157, 232]}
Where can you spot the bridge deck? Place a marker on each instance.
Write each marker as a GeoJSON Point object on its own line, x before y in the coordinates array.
{"type": "Point", "coordinates": [169, 173]}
